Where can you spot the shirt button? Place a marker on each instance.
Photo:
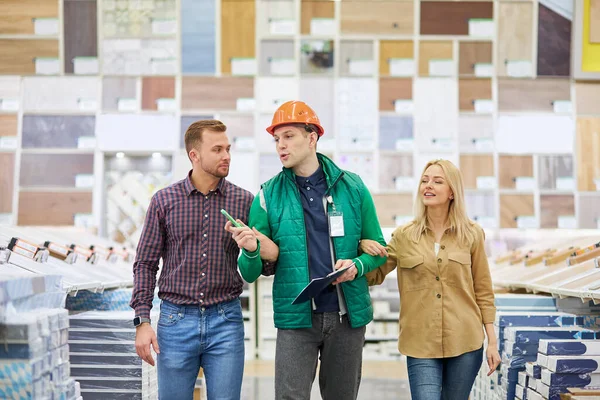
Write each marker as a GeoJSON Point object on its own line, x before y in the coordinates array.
{"type": "Point", "coordinates": [203, 274]}
{"type": "Point", "coordinates": [307, 188]}
{"type": "Point", "coordinates": [202, 294]}
{"type": "Point", "coordinates": [437, 278]}
{"type": "Point", "coordinates": [439, 260]}
{"type": "Point", "coordinates": [204, 235]}
{"type": "Point", "coordinates": [443, 247]}
{"type": "Point", "coordinates": [204, 255]}
{"type": "Point", "coordinates": [311, 199]}
{"type": "Point", "coordinates": [439, 296]}
{"type": "Point", "coordinates": [205, 215]}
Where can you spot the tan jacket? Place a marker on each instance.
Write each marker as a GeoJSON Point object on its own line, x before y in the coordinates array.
{"type": "Point", "coordinates": [445, 299]}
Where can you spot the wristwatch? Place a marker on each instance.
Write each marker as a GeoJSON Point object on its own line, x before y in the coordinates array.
{"type": "Point", "coordinates": [137, 321]}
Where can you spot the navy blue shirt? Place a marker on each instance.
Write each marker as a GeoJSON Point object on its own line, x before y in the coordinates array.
{"type": "Point", "coordinates": [312, 189]}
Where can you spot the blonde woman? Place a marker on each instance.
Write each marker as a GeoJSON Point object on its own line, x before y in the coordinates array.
{"type": "Point", "coordinates": [445, 287]}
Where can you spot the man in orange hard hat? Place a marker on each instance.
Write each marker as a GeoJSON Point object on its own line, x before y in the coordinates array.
{"type": "Point", "coordinates": [317, 214]}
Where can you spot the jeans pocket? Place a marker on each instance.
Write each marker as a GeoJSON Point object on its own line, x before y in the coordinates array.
{"type": "Point", "coordinates": [232, 312]}
{"type": "Point", "coordinates": [170, 316]}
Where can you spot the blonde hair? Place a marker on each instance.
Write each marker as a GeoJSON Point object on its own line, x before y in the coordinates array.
{"type": "Point", "coordinates": [460, 224]}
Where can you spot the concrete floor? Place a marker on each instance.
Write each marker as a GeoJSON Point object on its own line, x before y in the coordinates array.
{"type": "Point", "coordinates": [381, 380]}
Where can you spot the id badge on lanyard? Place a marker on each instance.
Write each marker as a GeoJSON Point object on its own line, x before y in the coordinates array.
{"type": "Point", "coordinates": [336, 220]}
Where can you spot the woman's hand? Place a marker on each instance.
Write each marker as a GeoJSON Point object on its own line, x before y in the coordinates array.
{"type": "Point", "coordinates": [372, 248]}
{"type": "Point", "coordinates": [493, 358]}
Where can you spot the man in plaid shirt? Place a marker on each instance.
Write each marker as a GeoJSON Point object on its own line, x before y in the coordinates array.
{"type": "Point", "coordinates": [201, 323]}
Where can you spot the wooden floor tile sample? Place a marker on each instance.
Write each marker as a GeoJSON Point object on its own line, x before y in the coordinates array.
{"type": "Point", "coordinates": [473, 166]}
{"type": "Point", "coordinates": [154, 88]}
{"type": "Point", "coordinates": [52, 208]}
{"type": "Point", "coordinates": [80, 31]}
{"type": "Point", "coordinates": [7, 166]}
{"type": "Point", "coordinates": [532, 94]}
{"type": "Point", "coordinates": [588, 155]}
{"type": "Point", "coordinates": [513, 206]}
{"type": "Point", "coordinates": [554, 206]}
{"type": "Point", "coordinates": [45, 170]}
{"type": "Point", "coordinates": [515, 33]}
{"type": "Point", "coordinates": [17, 16]}
{"type": "Point", "coordinates": [10, 87]}
{"type": "Point", "coordinates": [594, 21]}
{"type": "Point", "coordinates": [354, 50]}
{"type": "Point", "coordinates": [433, 50]}
{"type": "Point", "coordinates": [554, 168]}
{"type": "Point", "coordinates": [390, 206]}
{"type": "Point", "coordinates": [470, 90]}
{"type": "Point", "coordinates": [512, 167]}
{"type": "Point", "coordinates": [115, 89]}
{"type": "Point", "coordinates": [311, 9]}
{"type": "Point", "coordinates": [237, 31]}
{"type": "Point", "coordinates": [452, 18]}
{"type": "Point", "coordinates": [392, 89]}
{"type": "Point", "coordinates": [589, 211]}
{"type": "Point", "coordinates": [587, 98]}
{"type": "Point", "coordinates": [471, 53]}
{"type": "Point", "coordinates": [215, 93]}
{"type": "Point", "coordinates": [381, 17]}
{"type": "Point", "coordinates": [392, 166]}
{"type": "Point", "coordinates": [8, 124]}
{"type": "Point", "coordinates": [17, 56]}
{"type": "Point", "coordinates": [389, 49]}
{"type": "Point", "coordinates": [554, 43]}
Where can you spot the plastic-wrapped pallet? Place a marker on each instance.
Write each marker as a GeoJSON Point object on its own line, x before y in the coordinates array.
{"type": "Point", "coordinates": [108, 300]}
{"type": "Point", "coordinates": [34, 356]}
{"type": "Point", "coordinates": [103, 357]}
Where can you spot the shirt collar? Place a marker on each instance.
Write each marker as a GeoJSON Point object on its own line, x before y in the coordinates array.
{"type": "Point", "coordinates": [189, 186]}
{"type": "Point", "coordinates": [315, 178]}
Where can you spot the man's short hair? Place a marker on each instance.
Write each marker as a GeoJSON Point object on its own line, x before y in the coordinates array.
{"type": "Point", "coordinates": [193, 135]}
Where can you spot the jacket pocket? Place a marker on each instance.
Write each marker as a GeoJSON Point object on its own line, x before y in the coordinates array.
{"type": "Point", "coordinates": [459, 270]}
{"type": "Point", "coordinates": [413, 273]}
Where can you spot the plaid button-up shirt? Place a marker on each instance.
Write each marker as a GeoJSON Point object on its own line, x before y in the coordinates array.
{"type": "Point", "coordinates": [185, 228]}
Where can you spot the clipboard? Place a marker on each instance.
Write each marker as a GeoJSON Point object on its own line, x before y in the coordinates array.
{"type": "Point", "coordinates": [317, 285]}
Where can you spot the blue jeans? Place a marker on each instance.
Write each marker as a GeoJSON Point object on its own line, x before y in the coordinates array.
{"type": "Point", "coordinates": [443, 378]}
{"type": "Point", "coordinates": [190, 337]}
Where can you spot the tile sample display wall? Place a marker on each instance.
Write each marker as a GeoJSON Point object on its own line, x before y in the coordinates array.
{"type": "Point", "coordinates": [497, 86]}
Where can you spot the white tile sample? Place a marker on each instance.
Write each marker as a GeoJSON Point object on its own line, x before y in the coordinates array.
{"type": "Point", "coordinates": [436, 111]}
{"type": "Point", "coordinates": [137, 132]}
{"type": "Point", "coordinates": [60, 93]}
{"type": "Point", "coordinates": [527, 134]}
{"type": "Point", "coordinates": [357, 130]}
{"type": "Point", "coordinates": [273, 92]}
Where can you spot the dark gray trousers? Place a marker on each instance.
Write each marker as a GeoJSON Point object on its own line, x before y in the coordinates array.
{"type": "Point", "coordinates": [337, 345]}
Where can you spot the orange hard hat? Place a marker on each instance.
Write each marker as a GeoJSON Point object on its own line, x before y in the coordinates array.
{"type": "Point", "coordinates": [295, 112]}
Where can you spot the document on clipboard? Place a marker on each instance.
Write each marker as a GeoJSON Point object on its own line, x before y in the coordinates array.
{"type": "Point", "coordinates": [317, 285]}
